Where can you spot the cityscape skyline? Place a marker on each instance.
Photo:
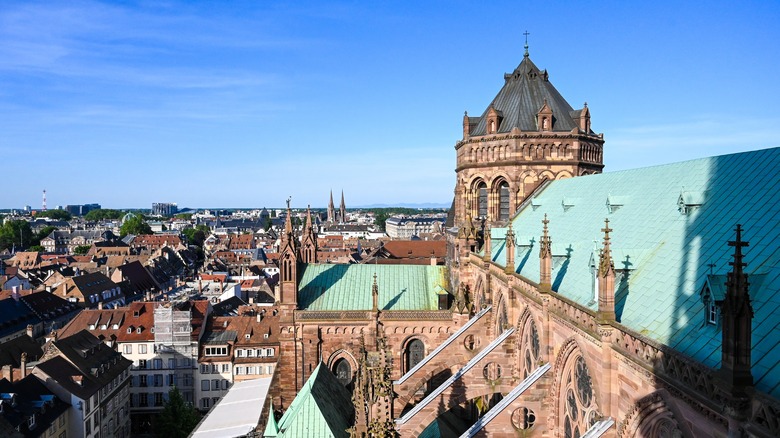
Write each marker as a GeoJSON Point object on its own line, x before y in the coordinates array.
{"type": "Point", "coordinates": [252, 104]}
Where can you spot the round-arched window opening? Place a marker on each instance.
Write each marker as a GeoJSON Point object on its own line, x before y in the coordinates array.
{"type": "Point", "coordinates": [415, 352]}
{"type": "Point", "coordinates": [470, 342]}
{"type": "Point", "coordinates": [523, 418]}
{"type": "Point", "coordinates": [492, 371]}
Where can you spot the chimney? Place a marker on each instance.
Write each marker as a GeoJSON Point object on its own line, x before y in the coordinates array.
{"type": "Point", "coordinates": [23, 365]}
{"type": "Point", "coordinates": [15, 293]}
{"type": "Point", "coordinates": [30, 330]}
{"type": "Point", "coordinates": [100, 305]}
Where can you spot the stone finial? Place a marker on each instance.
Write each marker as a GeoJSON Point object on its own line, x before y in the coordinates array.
{"type": "Point", "coordinates": [545, 258]}
{"type": "Point", "coordinates": [375, 295]}
{"type": "Point", "coordinates": [488, 244]}
{"type": "Point", "coordinates": [509, 247]}
{"type": "Point", "coordinates": [606, 280]}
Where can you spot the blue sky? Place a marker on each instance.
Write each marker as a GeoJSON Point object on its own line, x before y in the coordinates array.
{"type": "Point", "coordinates": [242, 104]}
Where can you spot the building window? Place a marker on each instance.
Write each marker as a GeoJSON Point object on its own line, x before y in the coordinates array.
{"type": "Point", "coordinates": [215, 385]}
{"type": "Point", "coordinates": [143, 400]}
{"type": "Point", "coordinates": [503, 201]}
{"type": "Point", "coordinates": [158, 364]}
{"type": "Point", "coordinates": [240, 353]}
{"type": "Point", "coordinates": [482, 200]}
{"type": "Point", "coordinates": [204, 385]}
{"type": "Point", "coordinates": [158, 398]}
{"type": "Point", "coordinates": [415, 352]}
{"type": "Point", "coordinates": [216, 351]}
{"type": "Point", "coordinates": [239, 370]}
{"type": "Point", "coordinates": [225, 367]}
{"type": "Point", "coordinates": [142, 380]}
{"type": "Point", "coordinates": [269, 352]}
{"type": "Point", "coordinates": [171, 363]}
{"type": "Point", "coordinates": [128, 348]}
{"type": "Point", "coordinates": [712, 312]}
{"type": "Point", "coordinates": [343, 371]}
{"type": "Point", "coordinates": [204, 368]}
{"type": "Point", "coordinates": [205, 403]}
{"type": "Point", "coordinates": [142, 349]}
{"type": "Point", "coordinates": [158, 380]}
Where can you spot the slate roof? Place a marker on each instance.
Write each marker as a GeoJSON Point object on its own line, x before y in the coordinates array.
{"type": "Point", "coordinates": [11, 351]}
{"type": "Point", "coordinates": [88, 358]}
{"type": "Point", "coordinates": [33, 398]}
{"type": "Point", "coordinates": [663, 256]}
{"type": "Point", "coordinates": [322, 408]}
{"type": "Point", "coordinates": [524, 93]}
{"type": "Point", "coordinates": [348, 287]}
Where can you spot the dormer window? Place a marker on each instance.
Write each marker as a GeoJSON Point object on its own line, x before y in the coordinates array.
{"type": "Point", "coordinates": [712, 294]}
{"type": "Point", "coordinates": [689, 201]}
{"type": "Point", "coordinates": [138, 330]}
{"type": "Point", "coordinates": [493, 120]}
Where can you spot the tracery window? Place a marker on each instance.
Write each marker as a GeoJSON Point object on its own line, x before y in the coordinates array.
{"type": "Point", "coordinates": [529, 347]}
{"type": "Point", "coordinates": [343, 372]}
{"type": "Point", "coordinates": [579, 410]}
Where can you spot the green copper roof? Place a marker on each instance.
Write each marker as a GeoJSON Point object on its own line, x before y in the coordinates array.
{"type": "Point", "coordinates": [322, 408]}
{"type": "Point", "coordinates": [671, 225]}
{"type": "Point", "coordinates": [348, 287]}
{"type": "Point", "coordinates": [271, 428]}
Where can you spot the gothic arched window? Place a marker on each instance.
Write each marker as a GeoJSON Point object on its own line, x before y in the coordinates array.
{"type": "Point", "coordinates": [343, 371]}
{"type": "Point", "coordinates": [579, 410]}
{"type": "Point", "coordinates": [503, 201]}
{"type": "Point", "coordinates": [482, 200]}
{"type": "Point", "coordinates": [415, 352]}
{"type": "Point", "coordinates": [529, 347]}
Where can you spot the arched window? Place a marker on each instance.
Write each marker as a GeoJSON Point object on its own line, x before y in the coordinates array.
{"type": "Point", "coordinates": [415, 352]}
{"type": "Point", "coordinates": [343, 371]}
{"type": "Point", "coordinates": [482, 200]}
{"type": "Point", "coordinates": [579, 410]}
{"type": "Point", "coordinates": [529, 347]}
{"type": "Point", "coordinates": [503, 201]}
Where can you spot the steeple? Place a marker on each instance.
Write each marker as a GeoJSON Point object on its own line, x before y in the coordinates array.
{"type": "Point", "coordinates": [606, 278]}
{"type": "Point", "coordinates": [342, 210]}
{"type": "Point", "coordinates": [737, 325]}
{"type": "Point", "coordinates": [288, 275]}
{"type": "Point", "coordinates": [331, 209]}
{"type": "Point", "coordinates": [309, 240]}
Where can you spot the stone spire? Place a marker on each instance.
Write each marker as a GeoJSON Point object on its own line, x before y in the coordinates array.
{"type": "Point", "coordinates": [509, 247]}
{"type": "Point", "coordinates": [545, 258]}
{"type": "Point", "coordinates": [737, 325]}
{"type": "Point", "coordinates": [606, 278]}
{"type": "Point", "coordinates": [288, 262]}
{"type": "Point", "coordinates": [331, 209]}
{"type": "Point", "coordinates": [309, 240]}
{"type": "Point", "coordinates": [343, 210]}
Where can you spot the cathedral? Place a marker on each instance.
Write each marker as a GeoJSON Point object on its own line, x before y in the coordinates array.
{"type": "Point", "coordinates": [638, 303]}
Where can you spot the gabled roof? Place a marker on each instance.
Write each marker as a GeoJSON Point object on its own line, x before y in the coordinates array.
{"type": "Point", "coordinates": [84, 358]}
{"type": "Point", "coordinates": [322, 408]}
{"type": "Point", "coordinates": [663, 253]}
{"type": "Point", "coordinates": [524, 93]}
{"type": "Point", "coordinates": [348, 287]}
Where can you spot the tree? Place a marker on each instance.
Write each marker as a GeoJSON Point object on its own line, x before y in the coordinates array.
{"type": "Point", "coordinates": [55, 214]}
{"type": "Point", "coordinates": [15, 234]}
{"type": "Point", "coordinates": [185, 216]}
{"type": "Point", "coordinates": [36, 248]}
{"type": "Point", "coordinates": [135, 225]}
{"type": "Point", "coordinates": [380, 217]}
{"type": "Point", "coordinates": [81, 249]}
{"type": "Point", "coordinates": [177, 419]}
{"type": "Point", "coordinates": [196, 236]}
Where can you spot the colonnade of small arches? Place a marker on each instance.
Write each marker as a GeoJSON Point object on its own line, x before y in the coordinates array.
{"type": "Point", "coordinates": [541, 151]}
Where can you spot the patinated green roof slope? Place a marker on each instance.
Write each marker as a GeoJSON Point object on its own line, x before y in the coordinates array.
{"type": "Point", "coordinates": [348, 287]}
{"type": "Point", "coordinates": [664, 255]}
{"type": "Point", "coordinates": [321, 409]}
